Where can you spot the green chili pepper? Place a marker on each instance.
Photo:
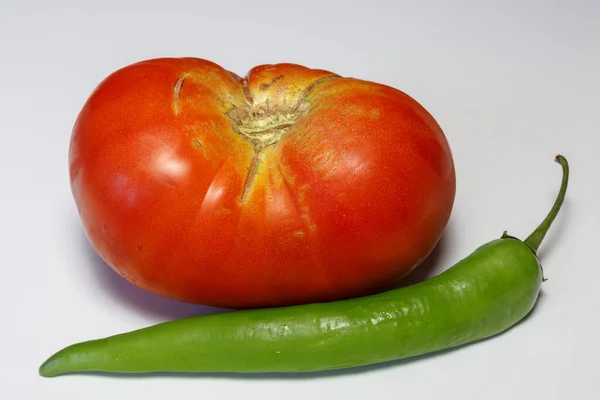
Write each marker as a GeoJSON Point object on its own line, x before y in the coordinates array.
{"type": "Point", "coordinates": [482, 295]}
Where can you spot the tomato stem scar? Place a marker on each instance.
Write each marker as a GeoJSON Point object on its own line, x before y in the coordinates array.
{"type": "Point", "coordinates": [177, 92]}
{"type": "Point", "coordinates": [252, 171]}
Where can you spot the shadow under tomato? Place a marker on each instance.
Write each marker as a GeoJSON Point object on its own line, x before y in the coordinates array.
{"type": "Point", "coordinates": [432, 265]}
{"type": "Point", "coordinates": [129, 295]}
{"type": "Point", "coordinates": [161, 308]}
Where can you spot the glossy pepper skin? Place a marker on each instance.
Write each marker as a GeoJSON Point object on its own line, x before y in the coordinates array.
{"type": "Point", "coordinates": [482, 295]}
{"type": "Point", "coordinates": [288, 186]}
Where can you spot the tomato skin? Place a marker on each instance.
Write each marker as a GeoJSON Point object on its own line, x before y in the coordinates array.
{"type": "Point", "coordinates": [173, 196]}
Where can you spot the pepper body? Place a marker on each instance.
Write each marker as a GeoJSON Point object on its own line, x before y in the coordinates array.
{"type": "Point", "coordinates": [482, 295]}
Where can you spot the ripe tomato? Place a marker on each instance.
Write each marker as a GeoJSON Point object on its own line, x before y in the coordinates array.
{"type": "Point", "coordinates": [288, 186]}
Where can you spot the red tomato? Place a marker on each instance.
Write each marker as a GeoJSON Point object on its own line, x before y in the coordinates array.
{"type": "Point", "coordinates": [288, 186]}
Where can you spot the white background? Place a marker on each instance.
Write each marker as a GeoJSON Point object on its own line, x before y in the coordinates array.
{"type": "Point", "coordinates": [512, 83]}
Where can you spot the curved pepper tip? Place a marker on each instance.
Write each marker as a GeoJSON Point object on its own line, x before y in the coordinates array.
{"type": "Point", "coordinates": [49, 368]}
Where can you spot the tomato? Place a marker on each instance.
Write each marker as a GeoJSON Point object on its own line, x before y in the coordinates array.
{"type": "Point", "coordinates": [288, 186]}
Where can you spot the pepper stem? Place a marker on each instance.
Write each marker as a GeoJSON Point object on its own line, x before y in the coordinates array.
{"type": "Point", "coordinates": [535, 239]}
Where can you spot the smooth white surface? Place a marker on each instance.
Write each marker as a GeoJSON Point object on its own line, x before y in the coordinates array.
{"type": "Point", "coordinates": [512, 83]}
